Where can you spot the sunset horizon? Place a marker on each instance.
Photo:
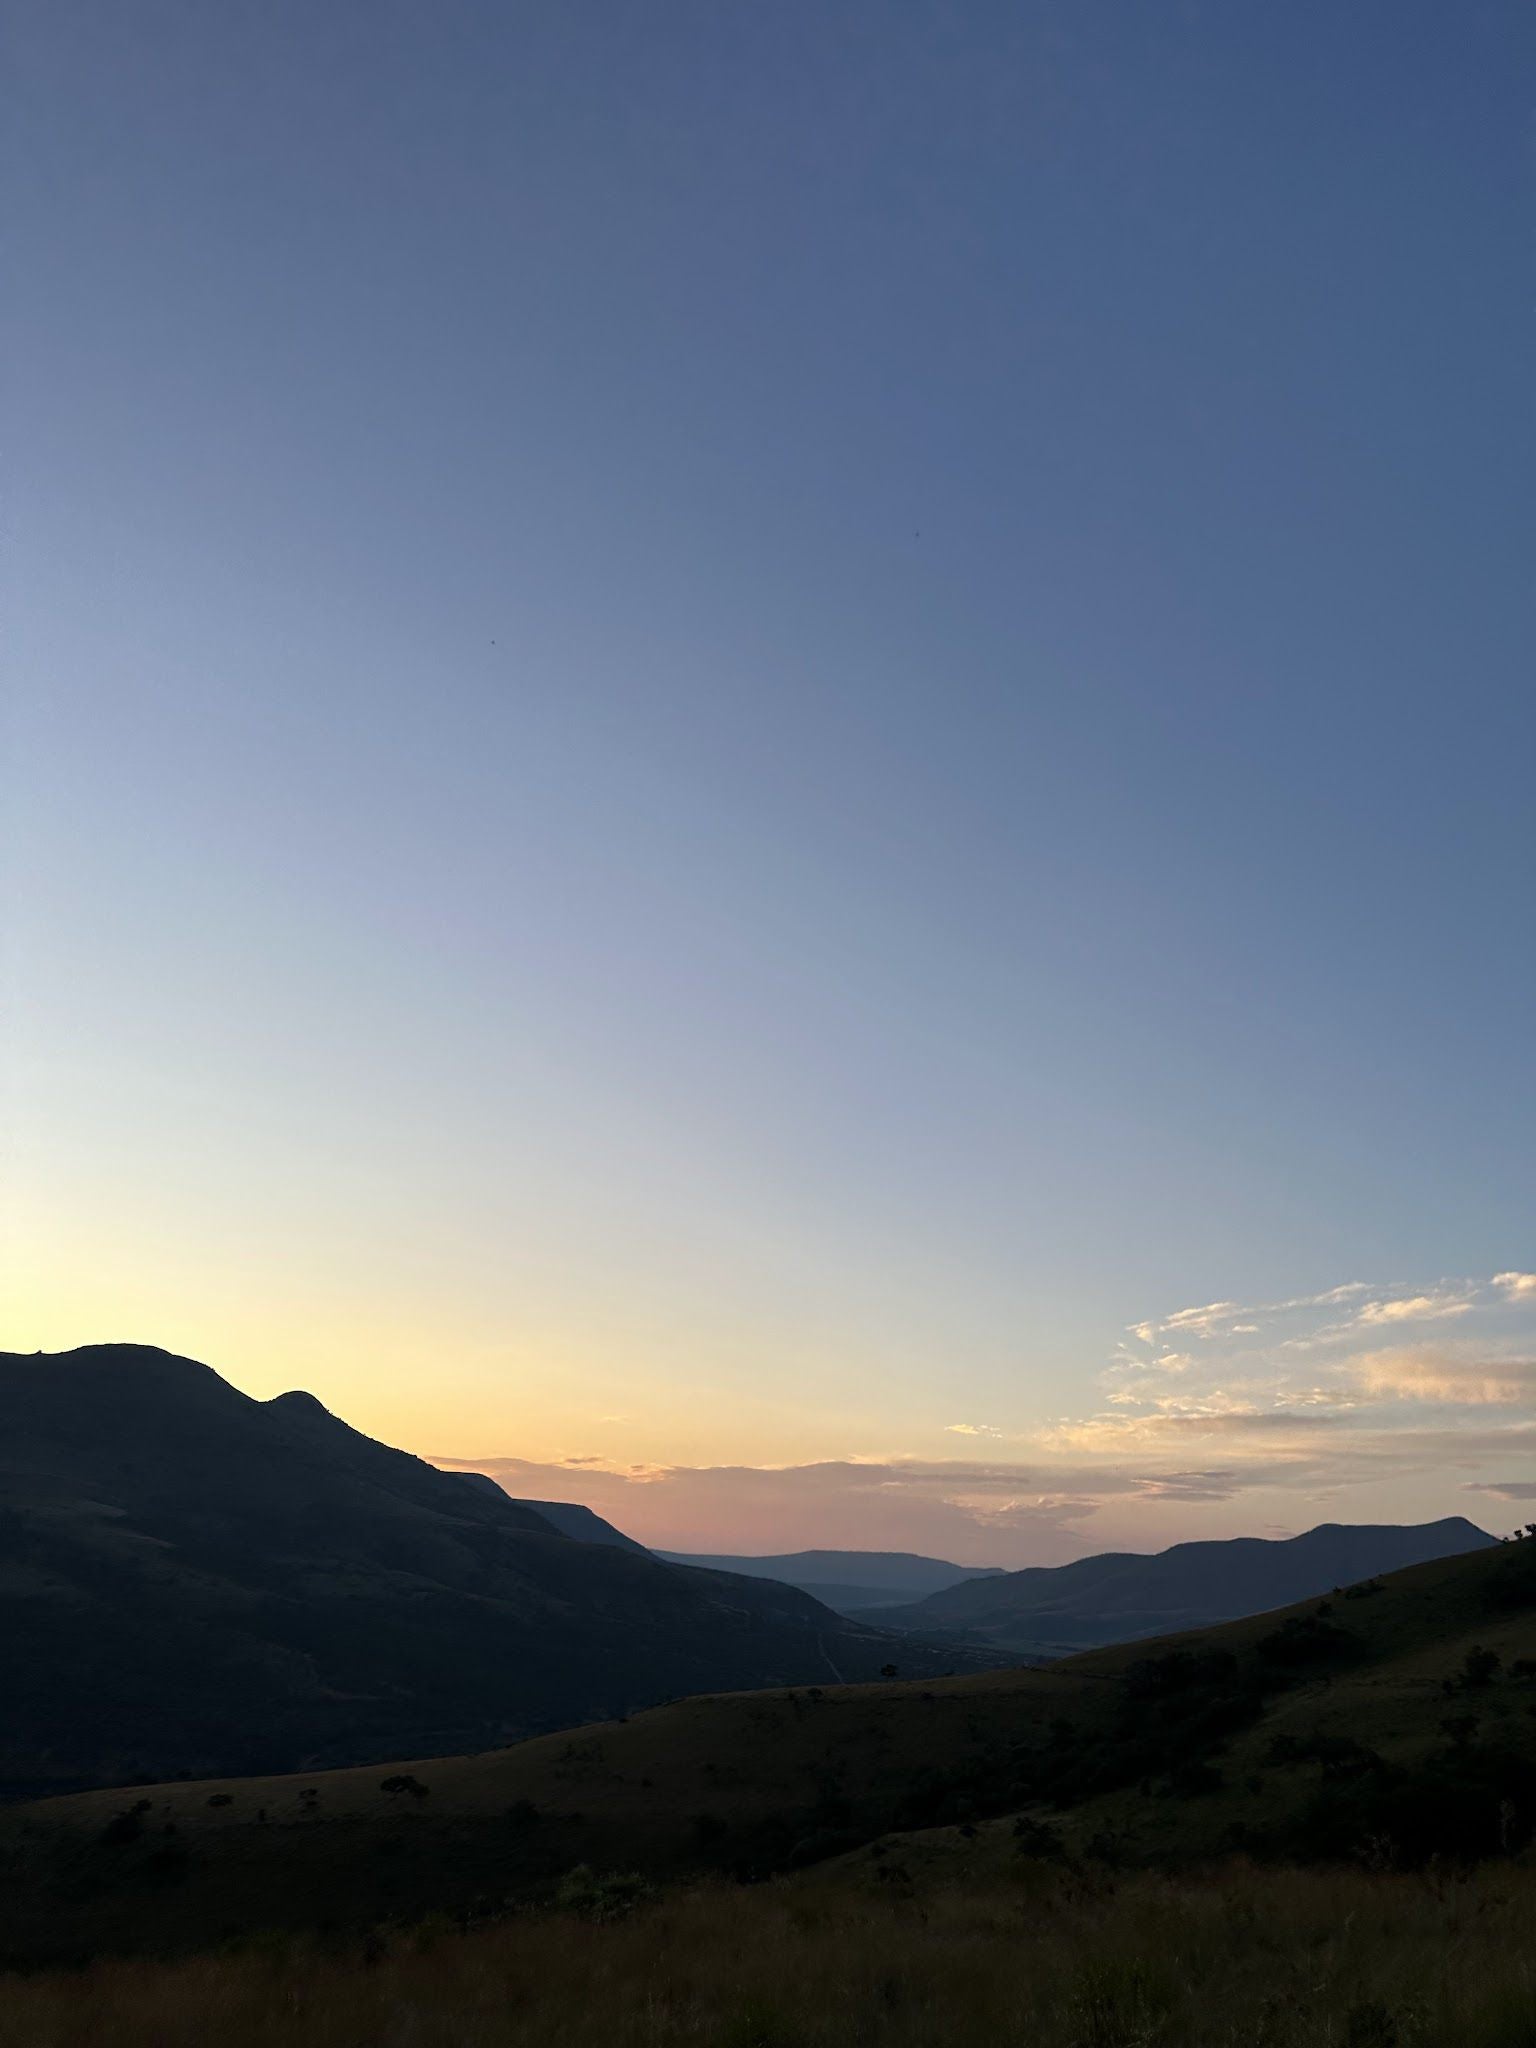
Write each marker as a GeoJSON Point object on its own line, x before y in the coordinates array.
{"type": "Point", "coordinates": [1357, 1404]}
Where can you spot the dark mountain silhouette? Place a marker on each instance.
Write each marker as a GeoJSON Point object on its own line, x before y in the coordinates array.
{"type": "Point", "coordinates": [1118, 1597]}
{"type": "Point", "coordinates": [848, 1580]}
{"type": "Point", "coordinates": [565, 1517]}
{"type": "Point", "coordinates": [194, 1581]}
{"type": "Point", "coordinates": [582, 1525]}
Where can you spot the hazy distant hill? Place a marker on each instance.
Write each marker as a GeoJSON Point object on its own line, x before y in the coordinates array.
{"type": "Point", "coordinates": [848, 1580]}
{"type": "Point", "coordinates": [1120, 1596]}
{"type": "Point", "coordinates": [194, 1581]}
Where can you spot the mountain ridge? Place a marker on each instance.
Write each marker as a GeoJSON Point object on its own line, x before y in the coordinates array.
{"type": "Point", "coordinates": [1117, 1596]}
{"type": "Point", "coordinates": [192, 1579]}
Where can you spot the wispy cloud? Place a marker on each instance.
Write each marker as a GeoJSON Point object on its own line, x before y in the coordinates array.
{"type": "Point", "coordinates": [971, 1429]}
{"type": "Point", "coordinates": [1441, 1374]}
{"type": "Point", "coordinates": [1414, 1308]}
{"type": "Point", "coordinates": [1195, 1322]}
{"type": "Point", "coordinates": [1386, 1307]}
{"type": "Point", "coordinates": [1230, 1318]}
{"type": "Point", "coordinates": [1220, 1417]}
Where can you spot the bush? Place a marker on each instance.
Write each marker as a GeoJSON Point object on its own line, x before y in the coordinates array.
{"type": "Point", "coordinates": [1305, 1640]}
{"type": "Point", "coordinates": [126, 1826]}
{"type": "Point", "coordinates": [1037, 1838]}
{"type": "Point", "coordinates": [403, 1782]}
{"type": "Point", "coordinates": [1340, 1755]}
{"type": "Point", "coordinates": [1512, 1582]}
{"type": "Point", "coordinates": [1464, 1803]}
{"type": "Point", "coordinates": [609, 1895]}
{"type": "Point", "coordinates": [1180, 1671]}
{"type": "Point", "coordinates": [1479, 1667]}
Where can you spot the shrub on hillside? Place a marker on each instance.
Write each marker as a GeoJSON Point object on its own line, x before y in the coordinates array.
{"type": "Point", "coordinates": [1512, 1582]}
{"type": "Point", "coordinates": [126, 1826]}
{"type": "Point", "coordinates": [1181, 1672]}
{"type": "Point", "coordinates": [1464, 1803]}
{"type": "Point", "coordinates": [1037, 1838]}
{"type": "Point", "coordinates": [1305, 1641]}
{"type": "Point", "coordinates": [1340, 1755]}
{"type": "Point", "coordinates": [605, 1895]}
{"type": "Point", "coordinates": [403, 1781]}
{"type": "Point", "coordinates": [1479, 1667]}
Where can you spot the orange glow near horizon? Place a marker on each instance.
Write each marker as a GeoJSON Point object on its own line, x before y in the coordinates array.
{"type": "Point", "coordinates": [653, 1435]}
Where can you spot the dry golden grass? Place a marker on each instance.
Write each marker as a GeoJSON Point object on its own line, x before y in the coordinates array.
{"type": "Point", "coordinates": [1046, 1959]}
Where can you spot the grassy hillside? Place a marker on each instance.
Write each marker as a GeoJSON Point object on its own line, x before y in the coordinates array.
{"type": "Point", "coordinates": [1373, 1725]}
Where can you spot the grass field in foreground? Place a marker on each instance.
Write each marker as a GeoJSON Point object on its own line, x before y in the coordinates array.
{"type": "Point", "coordinates": [1050, 1958]}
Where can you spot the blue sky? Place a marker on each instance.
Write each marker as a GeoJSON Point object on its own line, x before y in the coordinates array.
{"type": "Point", "coordinates": [730, 727]}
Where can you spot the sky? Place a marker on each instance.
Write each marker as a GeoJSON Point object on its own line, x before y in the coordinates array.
{"type": "Point", "coordinates": [735, 736]}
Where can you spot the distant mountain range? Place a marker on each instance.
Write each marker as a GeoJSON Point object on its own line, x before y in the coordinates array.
{"type": "Point", "coordinates": [1053, 1610]}
{"type": "Point", "coordinates": [851, 1581]}
{"type": "Point", "coordinates": [192, 1581]}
